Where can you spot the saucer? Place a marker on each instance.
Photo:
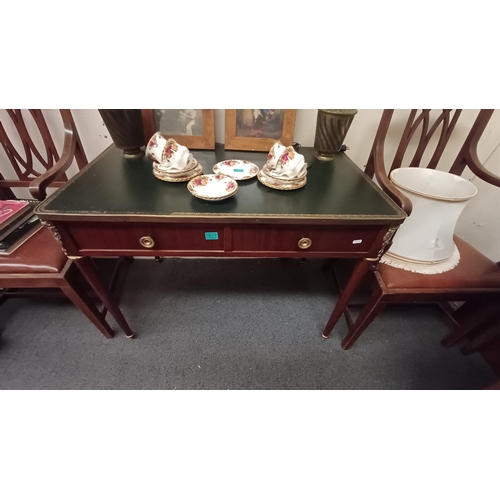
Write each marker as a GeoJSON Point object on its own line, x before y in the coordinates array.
{"type": "Point", "coordinates": [178, 177]}
{"type": "Point", "coordinates": [192, 165]}
{"type": "Point", "coordinates": [212, 187]}
{"type": "Point", "coordinates": [240, 170]}
{"type": "Point", "coordinates": [281, 184]}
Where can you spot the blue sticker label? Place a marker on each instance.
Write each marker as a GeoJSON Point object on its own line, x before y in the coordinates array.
{"type": "Point", "coordinates": [239, 170]}
{"type": "Point", "coordinates": [211, 236]}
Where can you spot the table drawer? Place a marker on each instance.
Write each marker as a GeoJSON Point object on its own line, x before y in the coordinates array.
{"type": "Point", "coordinates": [149, 237]}
{"type": "Point", "coordinates": [304, 239]}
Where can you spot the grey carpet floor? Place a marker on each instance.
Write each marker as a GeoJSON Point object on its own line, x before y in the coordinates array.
{"type": "Point", "coordinates": [227, 324]}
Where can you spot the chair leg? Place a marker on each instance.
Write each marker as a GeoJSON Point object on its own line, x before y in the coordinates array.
{"type": "Point", "coordinates": [469, 330]}
{"type": "Point", "coordinates": [480, 344]}
{"type": "Point", "coordinates": [359, 272]}
{"type": "Point", "coordinates": [82, 301]}
{"type": "Point", "coordinates": [366, 316]}
{"type": "Point", "coordinates": [88, 270]}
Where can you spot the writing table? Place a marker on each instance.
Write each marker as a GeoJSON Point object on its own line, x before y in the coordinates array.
{"type": "Point", "coordinates": [116, 207]}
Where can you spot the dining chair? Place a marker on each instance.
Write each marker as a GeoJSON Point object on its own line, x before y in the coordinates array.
{"type": "Point", "coordinates": [475, 276]}
{"type": "Point", "coordinates": [40, 262]}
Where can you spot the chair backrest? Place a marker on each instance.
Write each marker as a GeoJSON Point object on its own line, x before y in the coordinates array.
{"type": "Point", "coordinates": [425, 129]}
{"type": "Point", "coordinates": [27, 156]}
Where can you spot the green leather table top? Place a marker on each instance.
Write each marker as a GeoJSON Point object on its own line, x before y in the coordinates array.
{"type": "Point", "coordinates": [112, 185]}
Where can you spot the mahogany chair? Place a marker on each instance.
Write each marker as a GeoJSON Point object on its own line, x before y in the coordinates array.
{"type": "Point", "coordinates": [39, 262]}
{"type": "Point", "coordinates": [475, 276]}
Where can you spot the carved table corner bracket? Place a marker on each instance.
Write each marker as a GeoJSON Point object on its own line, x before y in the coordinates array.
{"type": "Point", "coordinates": [57, 236]}
{"type": "Point", "coordinates": [386, 242]}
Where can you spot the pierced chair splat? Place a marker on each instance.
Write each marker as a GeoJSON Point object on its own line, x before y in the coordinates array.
{"type": "Point", "coordinates": [39, 261]}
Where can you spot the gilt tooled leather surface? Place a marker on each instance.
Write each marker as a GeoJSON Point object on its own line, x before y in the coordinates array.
{"type": "Point", "coordinates": [115, 185]}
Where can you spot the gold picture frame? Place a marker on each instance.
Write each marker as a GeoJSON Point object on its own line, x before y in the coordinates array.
{"type": "Point", "coordinates": [258, 129]}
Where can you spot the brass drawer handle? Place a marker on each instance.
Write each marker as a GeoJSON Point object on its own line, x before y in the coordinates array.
{"type": "Point", "coordinates": [305, 243]}
{"type": "Point", "coordinates": [147, 242]}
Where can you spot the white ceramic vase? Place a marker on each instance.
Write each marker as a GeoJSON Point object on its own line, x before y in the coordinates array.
{"type": "Point", "coordinates": [438, 198]}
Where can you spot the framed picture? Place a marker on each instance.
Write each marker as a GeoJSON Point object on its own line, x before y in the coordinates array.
{"type": "Point", "coordinates": [193, 128]}
{"type": "Point", "coordinates": [259, 129]}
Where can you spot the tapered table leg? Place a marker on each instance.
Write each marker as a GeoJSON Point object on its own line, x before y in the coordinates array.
{"type": "Point", "coordinates": [89, 271]}
{"type": "Point", "coordinates": [82, 302]}
{"type": "Point", "coordinates": [357, 275]}
{"type": "Point", "coordinates": [366, 316]}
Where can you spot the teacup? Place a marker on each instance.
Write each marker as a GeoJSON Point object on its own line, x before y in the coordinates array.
{"type": "Point", "coordinates": [290, 165]}
{"type": "Point", "coordinates": [275, 152]}
{"type": "Point", "coordinates": [175, 157]}
{"type": "Point", "coordinates": [156, 144]}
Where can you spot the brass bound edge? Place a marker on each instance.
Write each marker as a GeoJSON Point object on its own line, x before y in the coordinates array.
{"type": "Point", "coordinates": [201, 215]}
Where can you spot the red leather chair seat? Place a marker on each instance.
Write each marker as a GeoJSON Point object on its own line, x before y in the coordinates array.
{"type": "Point", "coordinates": [41, 253]}
{"type": "Point", "coordinates": [473, 271]}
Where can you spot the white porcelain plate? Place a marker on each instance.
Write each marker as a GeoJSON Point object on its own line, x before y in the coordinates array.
{"type": "Point", "coordinates": [237, 169]}
{"type": "Point", "coordinates": [212, 187]}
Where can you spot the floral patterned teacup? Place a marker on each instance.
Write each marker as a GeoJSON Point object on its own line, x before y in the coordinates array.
{"type": "Point", "coordinates": [176, 158]}
{"type": "Point", "coordinates": [170, 156]}
{"type": "Point", "coordinates": [290, 165]}
{"type": "Point", "coordinates": [155, 146]}
{"type": "Point", "coordinates": [274, 153]}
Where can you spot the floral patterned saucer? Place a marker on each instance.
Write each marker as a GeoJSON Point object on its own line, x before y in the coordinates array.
{"type": "Point", "coordinates": [240, 170]}
{"type": "Point", "coordinates": [179, 176]}
{"type": "Point", "coordinates": [282, 185]}
{"type": "Point", "coordinates": [212, 187]}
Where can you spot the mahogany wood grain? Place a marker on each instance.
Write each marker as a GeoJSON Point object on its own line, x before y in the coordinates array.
{"type": "Point", "coordinates": [166, 237]}
{"type": "Point", "coordinates": [234, 240]}
{"type": "Point", "coordinates": [332, 239]}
